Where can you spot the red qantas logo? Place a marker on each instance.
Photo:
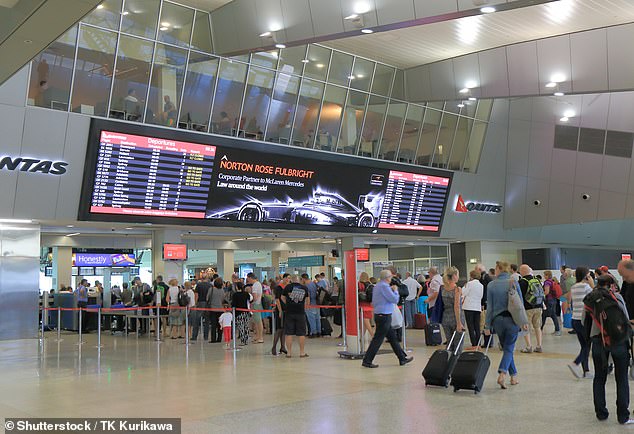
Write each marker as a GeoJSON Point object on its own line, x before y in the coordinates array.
{"type": "Point", "coordinates": [461, 206]}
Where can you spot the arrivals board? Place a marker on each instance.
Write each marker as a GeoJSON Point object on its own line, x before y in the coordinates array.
{"type": "Point", "coordinates": [138, 173]}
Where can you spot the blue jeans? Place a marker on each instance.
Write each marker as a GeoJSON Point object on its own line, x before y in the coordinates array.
{"type": "Point", "coordinates": [507, 332]}
{"type": "Point", "coordinates": [314, 321]}
{"type": "Point", "coordinates": [410, 310]}
{"type": "Point", "coordinates": [551, 312]}
{"type": "Point", "coordinates": [621, 357]}
{"type": "Point", "coordinates": [582, 358]}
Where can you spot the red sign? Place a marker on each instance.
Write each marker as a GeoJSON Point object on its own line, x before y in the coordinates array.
{"type": "Point", "coordinates": [174, 252]}
{"type": "Point", "coordinates": [363, 255]}
{"type": "Point", "coordinates": [626, 256]}
{"type": "Point", "coordinates": [460, 205]}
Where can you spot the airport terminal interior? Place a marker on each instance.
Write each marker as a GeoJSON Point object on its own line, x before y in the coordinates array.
{"type": "Point", "coordinates": [217, 213]}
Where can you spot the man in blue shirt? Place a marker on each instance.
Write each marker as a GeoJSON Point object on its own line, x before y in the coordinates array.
{"type": "Point", "coordinates": [81, 293]}
{"type": "Point", "coordinates": [384, 300]}
{"type": "Point", "coordinates": [314, 320]}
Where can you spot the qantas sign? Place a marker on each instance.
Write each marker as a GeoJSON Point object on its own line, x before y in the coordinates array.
{"type": "Point", "coordinates": [461, 206]}
{"type": "Point", "coordinates": [33, 165]}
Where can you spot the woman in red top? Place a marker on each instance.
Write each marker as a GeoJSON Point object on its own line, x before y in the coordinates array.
{"type": "Point", "coordinates": [551, 302]}
{"type": "Point", "coordinates": [362, 286]}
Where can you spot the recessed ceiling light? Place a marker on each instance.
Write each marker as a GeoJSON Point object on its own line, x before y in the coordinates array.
{"type": "Point", "coordinates": [558, 94]}
{"type": "Point", "coordinates": [18, 221]}
{"type": "Point", "coordinates": [319, 65]}
{"type": "Point", "coordinates": [28, 41]}
{"type": "Point", "coordinates": [463, 90]}
{"type": "Point", "coordinates": [280, 46]}
{"type": "Point", "coordinates": [551, 84]}
{"type": "Point", "coordinates": [367, 31]}
{"type": "Point", "coordinates": [162, 29]}
{"type": "Point", "coordinates": [165, 24]}
{"type": "Point", "coordinates": [564, 119]}
{"type": "Point", "coordinates": [470, 84]}
{"type": "Point", "coordinates": [125, 13]}
{"type": "Point", "coordinates": [487, 9]}
{"type": "Point", "coordinates": [461, 105]}
{"type": "Point", "coordinates": [305, 60]}
{"type": "Point", "coordinates": [569, 113]}
{"type": "Point", "coordinates": [360, 75]}
{"type": "Point", "coordinates": [265, 34]}
{"type": "Point", "coordinates": [73, 234]}
{"type": "Point", "coordinates": [558, 78]}
{"type": "Point", "coordinates": [70, 226]}
{"type": "Point", "coordinates": [100, 7]}
{"type": "Point", "coordinates": [351, 77]}
{"type": "Point", "coordinates": [352, 17]}
{"type": "Point", "coordinates": [472, 98]}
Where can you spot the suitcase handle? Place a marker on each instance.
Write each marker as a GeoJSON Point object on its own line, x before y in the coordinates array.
{"type": "Point", "coordinates": [481, 339]}
{"type": "Point", "coordinates": [459, 343]}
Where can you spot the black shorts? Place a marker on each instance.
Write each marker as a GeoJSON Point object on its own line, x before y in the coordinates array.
{"type": "Point", "coordinates": [295, 324]}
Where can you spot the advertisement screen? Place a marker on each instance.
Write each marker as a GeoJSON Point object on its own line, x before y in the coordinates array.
{"type": "Point", "coordinates": [174, 252]}
{"type": "Point", "coordinates": [363, 255]}
{"type": "Point", "coordinates": [103, 259]}
{"type": "Point", "coordinates": [230, 184]}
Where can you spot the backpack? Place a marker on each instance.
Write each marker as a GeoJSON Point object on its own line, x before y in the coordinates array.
{"type": "Point", "coordinates": [183, 299]}
{"type": "Point", "coordinates": [535, 292]}
{"type": "Point", "coordinates": [557, 289]}
{"type": "Point", "coordinates": [267, 301]}
{"type": "Point", "coordinates": [368, 293]}
{"type": "Point", "coordinates": [606, 313]}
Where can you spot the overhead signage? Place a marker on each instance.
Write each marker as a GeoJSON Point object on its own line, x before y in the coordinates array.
{"type": "Point", "coordinates": [32, 165]}
{"type": "Point", "coordinates": [133, 175]}
{"type": "Point", "coordinates": [103, 259]}
{"type": "Point", "coordinates": [306, 261]}
{"type": "Point", "coordinates": [463, 206]}
{"type": "Point", "coordinates": [363, 255]}
{"type": "Point", "coordinates": [174, 252]}
{"type": "Point", "coordinates": [626, 256]}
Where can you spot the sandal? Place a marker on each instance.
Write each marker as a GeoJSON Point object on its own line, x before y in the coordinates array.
{"type": "Point", "coordinates": [288, 356]}
{"type": "Point", "coordinates": [303, 355]}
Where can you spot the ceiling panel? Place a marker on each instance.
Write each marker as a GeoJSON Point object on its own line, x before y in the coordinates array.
{"type": "Point", "coordinates": [205, 5]}
{"type": "Point", "coordinates": [413, 46]}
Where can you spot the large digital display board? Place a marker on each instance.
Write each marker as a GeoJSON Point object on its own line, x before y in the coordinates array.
{"type": "Point", "coordinates": [137, 173]}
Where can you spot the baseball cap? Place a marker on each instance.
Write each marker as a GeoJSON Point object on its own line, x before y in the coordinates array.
{"type": "Point", "coordinates": [604, 268]}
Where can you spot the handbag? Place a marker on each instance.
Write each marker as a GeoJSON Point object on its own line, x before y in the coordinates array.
{"type": "Point", "coordinates": [439, 307]}
{"type": "Point", "coordinates": [515, 306]}
{"type": "Point", "coordinates": [397, 318]}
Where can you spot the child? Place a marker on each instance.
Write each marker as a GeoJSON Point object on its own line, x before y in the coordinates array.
{"type": "Point", "coordinates": [225, 323]}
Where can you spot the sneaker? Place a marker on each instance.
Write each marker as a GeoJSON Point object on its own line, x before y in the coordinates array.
{"type": "Point", "coordinates": [628, 422]}
{"type": "Point", "coordinates": [538, 350]}
{"type": "Point", "coordinates": [557, 333]}
{"type": "Point", "coordinates": [575, 370]}
{"type": "Point", "coordinates": [526, 350]}
{"type": "Point", "coordinates": [588, 375]}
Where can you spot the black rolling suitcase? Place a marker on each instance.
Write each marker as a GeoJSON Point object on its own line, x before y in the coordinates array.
{"type": "Point", "coordinates": [326, 328]}
{"type": "Point", "coordinates": [441, 364]}
{"type": "Point", "coordinates": [471, 370]}
{"type": "Point", "coordinates": [433, 336]}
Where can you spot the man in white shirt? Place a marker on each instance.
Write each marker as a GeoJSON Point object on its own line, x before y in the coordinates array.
{"type": "Point", "coordinates": [435, 282]}
{"type": "Point", "coordinates": [514, 274]}
{"type": "Point", "coordinates": [410, 301]}
{"type": "Point", "coordinates": [256, 291]}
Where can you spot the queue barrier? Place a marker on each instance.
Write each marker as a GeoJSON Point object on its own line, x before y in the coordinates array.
{"type": "Point", "coordinates": [101, 310]}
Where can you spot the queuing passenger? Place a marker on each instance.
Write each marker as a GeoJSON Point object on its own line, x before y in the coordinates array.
{"type": "Point", "coordinates": [162, 288]}
{"type": "Point", "coordinates": [295, 297]}
{"type": "Point", "coordinates": [312, 314]}
{"type": "Point", "coordinates": [256, 291]}
{"type": "Point", "coordinates": [224, 322]}
{"type": "Point", "coordinates": [146, 299]}
{"type": "Point", "coordinates": [453, 318]}
{"type": "Point", "coordinates": [127, 297]}
{"type": "Point", "coordinates": [551, 302]}
{"type": "Point", "coordinates": [410, 301]}
{"type": "Point", "coordinates": [215, 298]}
{"type": "Point", "coordinates": [578, 292]}
{"type": "Point", "coordinates": [176, 314]}
{"type": "Point", "coordinates": [193, 300]}
{"type": "Point", "coordinates": [384, 300]}
{"type": "Point", "coordinates": [202, 292]}
{"type": "Point", "coordinates": [533, 312]}
{"type": "Point", "coordinates": [600, 353]}
{"type": "Point", "coordinates": [81, 293]}
{"type": "Point", "coordinates": [241, 300]}
{"type": "Point", "coordinates": [626, 270]}
{"type": "Point", "coordinates": [362, 287]}
{"type": "Point", "coordinates": [472, 305]}
{"type": "Point", "coordinates": [514, 274]}
{"type": "Point", "coordinates": [322, 282]}
{"type": "Point", "coordinates": [435, 282]}
{"type": "Point", "coordinates": [499, 319]}
{"type": "Point", "coordinates": [279, 315]}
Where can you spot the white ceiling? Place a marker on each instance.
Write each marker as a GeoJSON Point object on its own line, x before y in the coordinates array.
{"type": "Point", "coordinates": [412, 46]}
{"type": "Point", "coordinates": [205, 5]}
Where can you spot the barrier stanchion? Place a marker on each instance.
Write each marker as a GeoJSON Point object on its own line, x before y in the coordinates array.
{"type": "Point", "coordinates": [99, 327]}
{"type": "Point", "coordinates": [343, 326]}
{"type": "Point", "coordinates": [234, 329]}
{"type": "Point", "coordinates": [361, 334]}
{"type": "Point", "coordinates": [187, 325]}
{"type": "Point", "coordinates": [158, 324]}
{"type": "Point", "coordinates": [59, 324]}
{"type": "Point", "coordinates": [80, 327]}
{"type": "Point", "coordinates": [42, 327]}
{"type": "Point", "coordinates": [273, 329]}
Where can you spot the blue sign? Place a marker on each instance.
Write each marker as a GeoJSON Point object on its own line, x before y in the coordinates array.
{"type": "Point", "coordinates": [104, 260]}
{"type": "Point", "coordinates": [306, 261]}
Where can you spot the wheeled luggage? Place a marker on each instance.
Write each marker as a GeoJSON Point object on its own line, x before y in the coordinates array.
{"type": "Point", "coordinates": [441, 364]}
{"type": "Point", "coordinates": [433, 336]}
{"type": "Point", "coordinates": [471, 369]}
{"type": "Point", "coordinates": [420, 321]}
{"type": "Point", "coordinates": [326, 328]}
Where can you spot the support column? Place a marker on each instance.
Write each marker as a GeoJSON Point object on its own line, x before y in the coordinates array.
{"type": "Point", "coordinates": [167, 269]}
{"type": "Point", "coordinates": [62, 266]}
{"type": "Point", "coordinates": [278, 256]}
{"type": "Point", "coordinates": [225, 263]}
{"type": "Point", "coordinates": [351, 298]}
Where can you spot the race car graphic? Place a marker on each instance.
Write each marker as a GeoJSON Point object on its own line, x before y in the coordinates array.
{"type": "Point", "coordinates": [322, 209]}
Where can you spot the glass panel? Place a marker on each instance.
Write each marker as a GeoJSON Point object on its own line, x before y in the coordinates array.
{"type": "Point", "coordinates": [175, 24]}
{"type": "Point", "coordinates": [460, 142]}
{"type": "Point", "coordinates": [310, 95]}
{"type": "Point", "coordinates": [167, 85]}
{"type": "Point", "coordinates": [278, 128]}
{"type": "Point", "coordinates": [421, 266]}
{"type": "Point", "coordinates": [475, 146]}
{"type": "Point", "coordinates": [454, 106]}
{"type": "Point", "coordinates": [330, 118]}
{"type": "Point", "coordinates": [445, 140]}
{"type": "Point", "coordinates": [591, 140]}
{"type": "Point", "coordinates": [256, 102]}
{"type": "Point", "coordinates": [383, 77]}
{"type": "Point", "coordinates": [566, 137]}
{"type": "Point", "coordinates": [107, 15]}
{"type": "Point", "coordinates": [340, 68]}
{"type": "Point", "coordinates": [228, 97]}
{"type": "Point", "coordinates": [398, 89]}
{"type": "Point", "coordinates": [411, 133]}
{"type": "Point", "coordinates": [134, 58]}
{"type": "Point", "coordinates": [317, 66]}
{"type": "Point", "coordinates": [199, 89]}
{"type": "Point", "coordinates": [392, 130]}
{"type": "Point", "coordinates": [267, 59]}
{"type": "Point", "coordinates": [201, 38]}
{"type": "Point", "coordinates": [140, 17]}
{"type": "Point", "coordinates": [93, 71]}
{"type": "Point", "coordinates": [51, 73]}
{"type": "Point", "coordinates": [619, 144]}
{"type": "Point", "coordinates": [362, 72]}
{"type": "Point", "coordinates": [428, 136]}
{"type": "Point", "coordinates": [372, 127]}
{"type": "Point", "coordinates": [484, 109]}
{"type": "Point", "coordinates": [291, 59]}
{"type": "Point", "coordinates": [241, 58]}
{"type": "Point", "coordinates": [352, 122]}
{"type": "Point", "coordinates": [470, 108]}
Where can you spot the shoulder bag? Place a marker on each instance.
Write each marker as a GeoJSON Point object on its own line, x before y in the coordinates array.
{"type": "Point", "coordinates": [516, 306]}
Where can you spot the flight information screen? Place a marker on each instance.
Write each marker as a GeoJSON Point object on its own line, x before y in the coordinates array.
{"type": "Point", "coordinates": [153, 178]}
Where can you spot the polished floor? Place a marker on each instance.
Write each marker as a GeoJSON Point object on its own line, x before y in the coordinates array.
{"type": "Point", "coordinates": [218, 391]}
